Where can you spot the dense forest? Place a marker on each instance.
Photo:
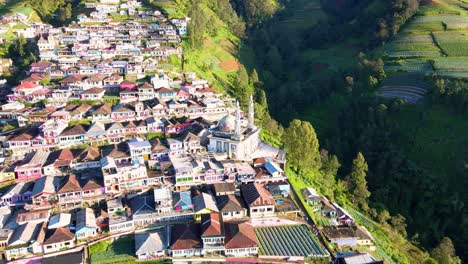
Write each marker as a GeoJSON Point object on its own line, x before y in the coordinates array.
{"type": "Point", "coordinates": [418, 203]}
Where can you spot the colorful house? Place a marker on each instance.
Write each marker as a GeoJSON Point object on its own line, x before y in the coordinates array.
{"type": "Point", "coordinates": [31, 167]}
{"type": "Point", "coordinates": [204, 203]}
{"type": "Point", "coordinates": [73, 135]}
{"type": "Point", "coordinates": [85, 224]}
{"type": "Point", "coordinates": [18, 194]}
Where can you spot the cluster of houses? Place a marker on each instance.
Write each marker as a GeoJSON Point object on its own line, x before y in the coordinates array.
{"type": "Point", "coordinates": [343, 230]}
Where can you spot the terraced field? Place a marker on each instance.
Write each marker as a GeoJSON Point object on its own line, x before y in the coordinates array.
{"type": "Point", "coordinates": [295, 240]}
{"type": "Point", "coordinates": [434, 42]}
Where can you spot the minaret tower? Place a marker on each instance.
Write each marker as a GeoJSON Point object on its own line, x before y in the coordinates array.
{"type": "Point", "coordinates": [251, 113]}
{"type": "Point", "coordinates": [238, 119]}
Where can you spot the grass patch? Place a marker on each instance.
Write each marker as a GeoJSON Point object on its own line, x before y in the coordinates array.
{"type": "Point", "coordinates": [119, 251]}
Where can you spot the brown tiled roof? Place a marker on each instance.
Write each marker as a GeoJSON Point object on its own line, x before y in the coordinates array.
{"type": "Point", "coordinates": [230, 203]}
{"type": "Point", "coordinates": [240, 235]}
{"type": "Point", "coordinates": [222, 187]}
{"type": "Point", "coordinates": [146, 85]}
{"type": "Point", "coordinates": [104, 109]}
{"type": "Point", "coordinates": [164, 90]}
{"type": "Point", "coordinates": [71, 185]}
{"type": "Point", "coordinates": [186, 236]}
{"type": "Point", "coordinates": [42, 64]}
{"type": "Point", "coordinates": [24, 136]}
{"type": "Point", "coordinates": [44, 111]}
{"type": "Point", "coordinates": [94, 90]}
{"type": "Point", "coordinates": [73, 130]}
{"type": "Point", "coordinates": [130, 124]}
{"type": "Point", "coordinates": [70, 107]}
{"type": "Point", "coordinates": [58, 235]}
{"type": "Point", "coordinates": [158, 146]}
{"type": "Point", "coordinates": [72, 79]}
{"type": "Point", "coordinates": [81, 109]}
{"type": "Point", "coordinates": [211, 225]}
{"type": "Point", "coordinates": [117, 151]}
{"type": "Point", "coordinates": [65, 154]}
{"type": "Point", "coordinates": [97, 78]}
{"type": "Point", "coordinates": [93, 184]}
{"type": "Point", "coordinates": [90, 153]}
{"type": "Point", "coordinates": [256, 195]}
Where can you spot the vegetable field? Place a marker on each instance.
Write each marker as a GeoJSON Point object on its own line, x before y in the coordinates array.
{"type": "Point", "coordinates": [294, 240]}
{"type": "Point", "coordinates": [434, 42]}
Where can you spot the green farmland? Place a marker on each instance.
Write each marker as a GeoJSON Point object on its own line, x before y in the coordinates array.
{"type": "Point", "coordinates": [294, 240]}
{"type": "Point", "coordinates": [434, 42]}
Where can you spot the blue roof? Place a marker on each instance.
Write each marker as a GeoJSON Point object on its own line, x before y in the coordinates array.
{"type": "Point", "coordinates": [182, 198]}
{"type": "Point", "coordinates": [271, 168]}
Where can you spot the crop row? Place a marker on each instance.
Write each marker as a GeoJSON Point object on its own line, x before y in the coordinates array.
{"type": "Point", "coordinates": [410, 66]}
{"type": "Point", "coordinates": [288, 241]}
{"type": "Point", "coordinates": [414, 39]}
{"type": "Point", "coordinates": [414, 54]}
{"type": "Point", "coordinates": [451, 64]}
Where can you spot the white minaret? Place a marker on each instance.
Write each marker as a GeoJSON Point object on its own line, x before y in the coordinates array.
{"type": "Point", "coordinates": [251, 113]}
{"type": "Point", "coordinates": [238, 119]}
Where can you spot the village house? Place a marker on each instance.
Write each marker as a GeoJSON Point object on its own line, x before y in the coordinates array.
{"type": "Point", "coordinates": [59, 220]}
{"type": "Point", "coordinates": [31, 167]}
{"type": "Point", "coordinates": [120, 173]}
{"type": "Point", "coordinates": [86, 226]}
{"type": "Point", "coordinates": [241, 240]}
{"type": "Point", "coordinates": [43, 193]}
{"type": "Point", "coordinates": [204, 203]}
{"type": "Point", "coordinates": [87, 158]}
{"type": "Point", "coordinates": [152, 245]}
{"type": "Point", "coordinates": [212, 234]}
{"type": "Point", "coordinates": [186, 241]}
{"type": "Point", "coordinates": [69, 193]}
{"type": "Point", "coordinates": [58, 239]}
{"type": "Point", "coordinates": [27, 239]}
{"type": "Point", "coordinates": [93, 94]}
{"type": "Point", "coordinates": [231, 206]}
{"type": "Point", "coordinates": [58, 162]}
{"type": "Point", "coordinates": [259, 200]}
{"type": "Point", "coordinates": [19, 194]}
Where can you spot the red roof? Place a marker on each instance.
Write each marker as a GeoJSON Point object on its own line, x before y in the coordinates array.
{"type": "Point", "coordinates": [256, 195]}
{"type": "Point", "coordinates": [72, 79]}
{"type": "Point", "coordinates": [27, 85]}
{"type": "Point", "coordinates": [41, 64]}
{"type": "Point", "coordinates": [32, 78]}
{"type": "Point", "coordinates": [240, 235]}
{"type": "Point", "coordinates": [205, 90]}
{"type": "Point", "coordinates": [211, 225]}
{"type": "Point", "coordinates": [182, 93]}
{"type": "Point", "coordinates": [186, 236]}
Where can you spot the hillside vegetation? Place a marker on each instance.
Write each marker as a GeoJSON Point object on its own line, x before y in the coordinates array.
{"type": "Point", "coordinates": [435, 41]}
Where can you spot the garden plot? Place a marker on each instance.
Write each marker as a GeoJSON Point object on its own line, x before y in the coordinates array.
{"type": "Point", "coordinates": [451, 64]}
{"type": "Point", "coordinates": [450, 21]}
{"type": "Point", "coordinates": [287, 241]}
{"type": "Point", "coordinates": [453, 43]}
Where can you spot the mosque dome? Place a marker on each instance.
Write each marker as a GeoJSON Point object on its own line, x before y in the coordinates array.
{"type": "Point", "coordinates": [227, 123]}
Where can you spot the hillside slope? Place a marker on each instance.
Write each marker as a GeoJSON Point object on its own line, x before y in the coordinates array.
{"type": "Point", "coordinates": [435, 41]}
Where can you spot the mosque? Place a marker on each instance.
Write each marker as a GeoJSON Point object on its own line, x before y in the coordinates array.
{"type": "Point", "coordinates": [240, 140]}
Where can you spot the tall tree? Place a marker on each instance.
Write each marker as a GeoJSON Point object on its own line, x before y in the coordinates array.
{"type": "Point", "coordinates": [444, 253]}
{"type": "Point", "coordinates": [197, 25]}
{"type": "Point", "coordinates": [241, 88]}
{"type": "Point", "coordinates": [302, 146]}
{"type": "Point", "coordinates": [328, 170]}
{"type": "Point", "coordinates": [356, 180]}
